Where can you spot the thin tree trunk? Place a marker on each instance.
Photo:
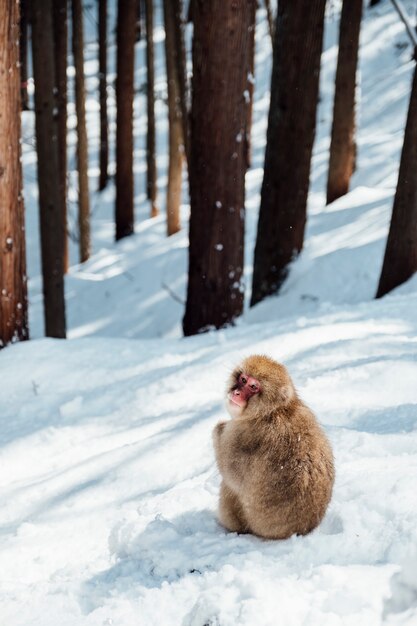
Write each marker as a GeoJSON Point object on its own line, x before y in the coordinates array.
{"type": "Point", "coordinates": [251, 84]}
{"type": "Point", "coordinates": [50, 197]}
{"type": "Point", "coordinates": [138, 20]}
{"type": "Point", "coordinates": [150, 89]}
{"type": "Point", "coordinates": [270, 18]}
{"type": "Point", "coordinates": [104, 137]}
{"type": "Point", "coordinates": [13, 287]}
{"type": "Point", "coordinates": [182, 70]}
{"type": "Point", "coordinates": [82, 142]}
{"type": "Point", "coordinates": [400, 260]}
{"type": "Point", "coordinates": [291, 124]}
{"type": "Point", "coordinates": [190, 12]}
{"type": "Point", "coordinates": [176, 138]}
{"type": "Point", "coordinates": [343, 146]}
{"type": "Point", "coordinates": [218, 164]}
{"type": "Point", "coordinates": [60, 20]}
{"type": "Point", "coordinates": [126, 28]}
{"type": "Point", "coordinates": [24, 24]}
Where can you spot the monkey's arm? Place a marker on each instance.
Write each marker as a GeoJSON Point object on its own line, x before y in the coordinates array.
{"type": "Point", "coordinates": [217, 432]}
{"type": "Point", "coordinates": [233, 454]}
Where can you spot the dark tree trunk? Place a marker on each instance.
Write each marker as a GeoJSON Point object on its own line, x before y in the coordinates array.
{"type": "Point", "coordinates": [13, 293]}
{"type": "Point", "coordinates": [50, 197]}
{"type": "Point", "coordinates": [150, 89]}
{"type": "Point", "coordinates": [251, 84]}
{"type": "Point", "coordinates": [342, 146]}
{"type": "Point", "coordinates": [138, 20]}
{"type": "Point", "coordinates": [400, 261]}
{"type": "Point", "coordinates": [24, 24]}
{"type": "Point", "coordinates": [291, 130]}
{"type": "Point", "coordinates": [190, 11]}
{"type": "Point", "coordinates": [270, 18]}
{"type": "Point", "coordinates": [217, 168]}
{"type": "Point", "coordinates": [102, 63]}
{"type": "Point", "coordinates": [182, 70]}
{"type": "Point", "coordinates": [126, 28]}
{"type": "Point", "coordinates": [60, 20]}
{"type": "Point", "coordinates": [176, 137]}
{"type": "Point", "coordinates": [82, 142]}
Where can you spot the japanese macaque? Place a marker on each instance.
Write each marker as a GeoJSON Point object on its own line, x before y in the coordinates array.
{"type": "Point", "coordinates": [275, 460]}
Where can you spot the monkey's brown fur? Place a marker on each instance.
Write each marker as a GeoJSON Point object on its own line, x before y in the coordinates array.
{"type": "Point", "coordinates": [275, 460]}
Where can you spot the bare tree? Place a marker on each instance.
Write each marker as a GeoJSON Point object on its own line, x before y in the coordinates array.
{"type": "Point", "coordinates": [291, 124]}
{"type": "Point", "coordinates": [126, 32]}
{"type": "Point", "coordinates": [343, 146]}
{"type": "Point", "coordinates": [82, 142]}
{"type": "Point", "coordinates": [181, 60]}
{"type": "Point", "coordinates": [221, 63]}
{"type": "Point", "coordinates": [176, 136]}
{"type": "Point", "coordinates": [60, 24]}
{"type": "Point", "coordinates": [102, 69]}
{"type": "Point", "coordinates": [400, 260]}
{"type": "Point", "coordinates": [151, 184]}
{"type": "Point", "coordinates": [50, 197]}
{"type": "Point", "coordinates": [13, 288]}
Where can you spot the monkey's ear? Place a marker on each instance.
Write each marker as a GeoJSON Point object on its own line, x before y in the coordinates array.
{"type": "Point", "coordinates": [286, 393]}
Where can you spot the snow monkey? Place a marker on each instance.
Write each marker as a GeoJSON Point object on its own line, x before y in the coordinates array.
{"type": "Point", "coordinates": [275, 460]}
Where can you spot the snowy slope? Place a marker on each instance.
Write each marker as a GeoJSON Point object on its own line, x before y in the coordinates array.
{"type": "Point", "coordinates": [108, 485]}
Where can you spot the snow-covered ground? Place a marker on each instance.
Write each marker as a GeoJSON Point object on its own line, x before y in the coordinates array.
{"type": "Point", "coordinates": [108, 485]}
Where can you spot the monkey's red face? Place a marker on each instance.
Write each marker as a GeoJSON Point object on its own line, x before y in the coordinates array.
{"type": "Point", "coordinates": [246, 386]}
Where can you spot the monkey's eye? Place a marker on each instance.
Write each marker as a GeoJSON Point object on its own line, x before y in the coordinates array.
{"type": "Point", "coordinates": [243, 380]}
{"type": "Point", "coordinates": [254, 387]}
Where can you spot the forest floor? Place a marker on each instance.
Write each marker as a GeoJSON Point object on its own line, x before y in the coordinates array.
{"type": "Point", "coordinates": [108, 484]}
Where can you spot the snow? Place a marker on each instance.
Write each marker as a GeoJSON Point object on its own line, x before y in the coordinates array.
{"type": "Point", "coordinates": [108, 484]}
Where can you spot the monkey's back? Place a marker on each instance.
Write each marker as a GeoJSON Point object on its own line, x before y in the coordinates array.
{"type": "Point", "coordinates": [289, 481]}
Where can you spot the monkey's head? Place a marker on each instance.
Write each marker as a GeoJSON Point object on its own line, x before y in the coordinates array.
{"type": "Point", "coordinates": [258, 386]}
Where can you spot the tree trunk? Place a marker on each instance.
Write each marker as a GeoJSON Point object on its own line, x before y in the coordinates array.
{"type": "Point", "coordinates": [138, 20]}
{"type": "Point", "coordinates": [24, 23]}
{"type": "Point", "coordinates": [60, 20]}
{"type": "Point", "coordinates": [150, 89]}
{"type": "Point", "coordinates": [176, 138]}
{"type": "Point", "coordinates": [342, 146]}
{"type": "Point", "coordinates": [82, 142]}
{"type": "Point", "coordinates": [50, 197]}
{"type": "Point", "coordinates": [126, 29]}
{"type": "Point", "coordinates": [221, 63]}
{"type": "Point", "coordinates": [270, 18]}
{"type": "Point", "coordinates": [13, 288]}
{"type": "Point", "coordinates": [190, 12]}
{"type": "Point", "coordinates": [251, 85]}
{"type": "Point", "coordinates": [400, 261]}
{"type": "Point", "coordinates": [290, 136]}
{"type": "Point", "coordinates": [102, 61]}
{"type": "Point", "coordinates": [182, 71]}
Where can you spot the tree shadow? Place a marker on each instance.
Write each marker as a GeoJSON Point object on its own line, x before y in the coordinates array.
{"type": "Point", "coordinates": [387, 421]}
